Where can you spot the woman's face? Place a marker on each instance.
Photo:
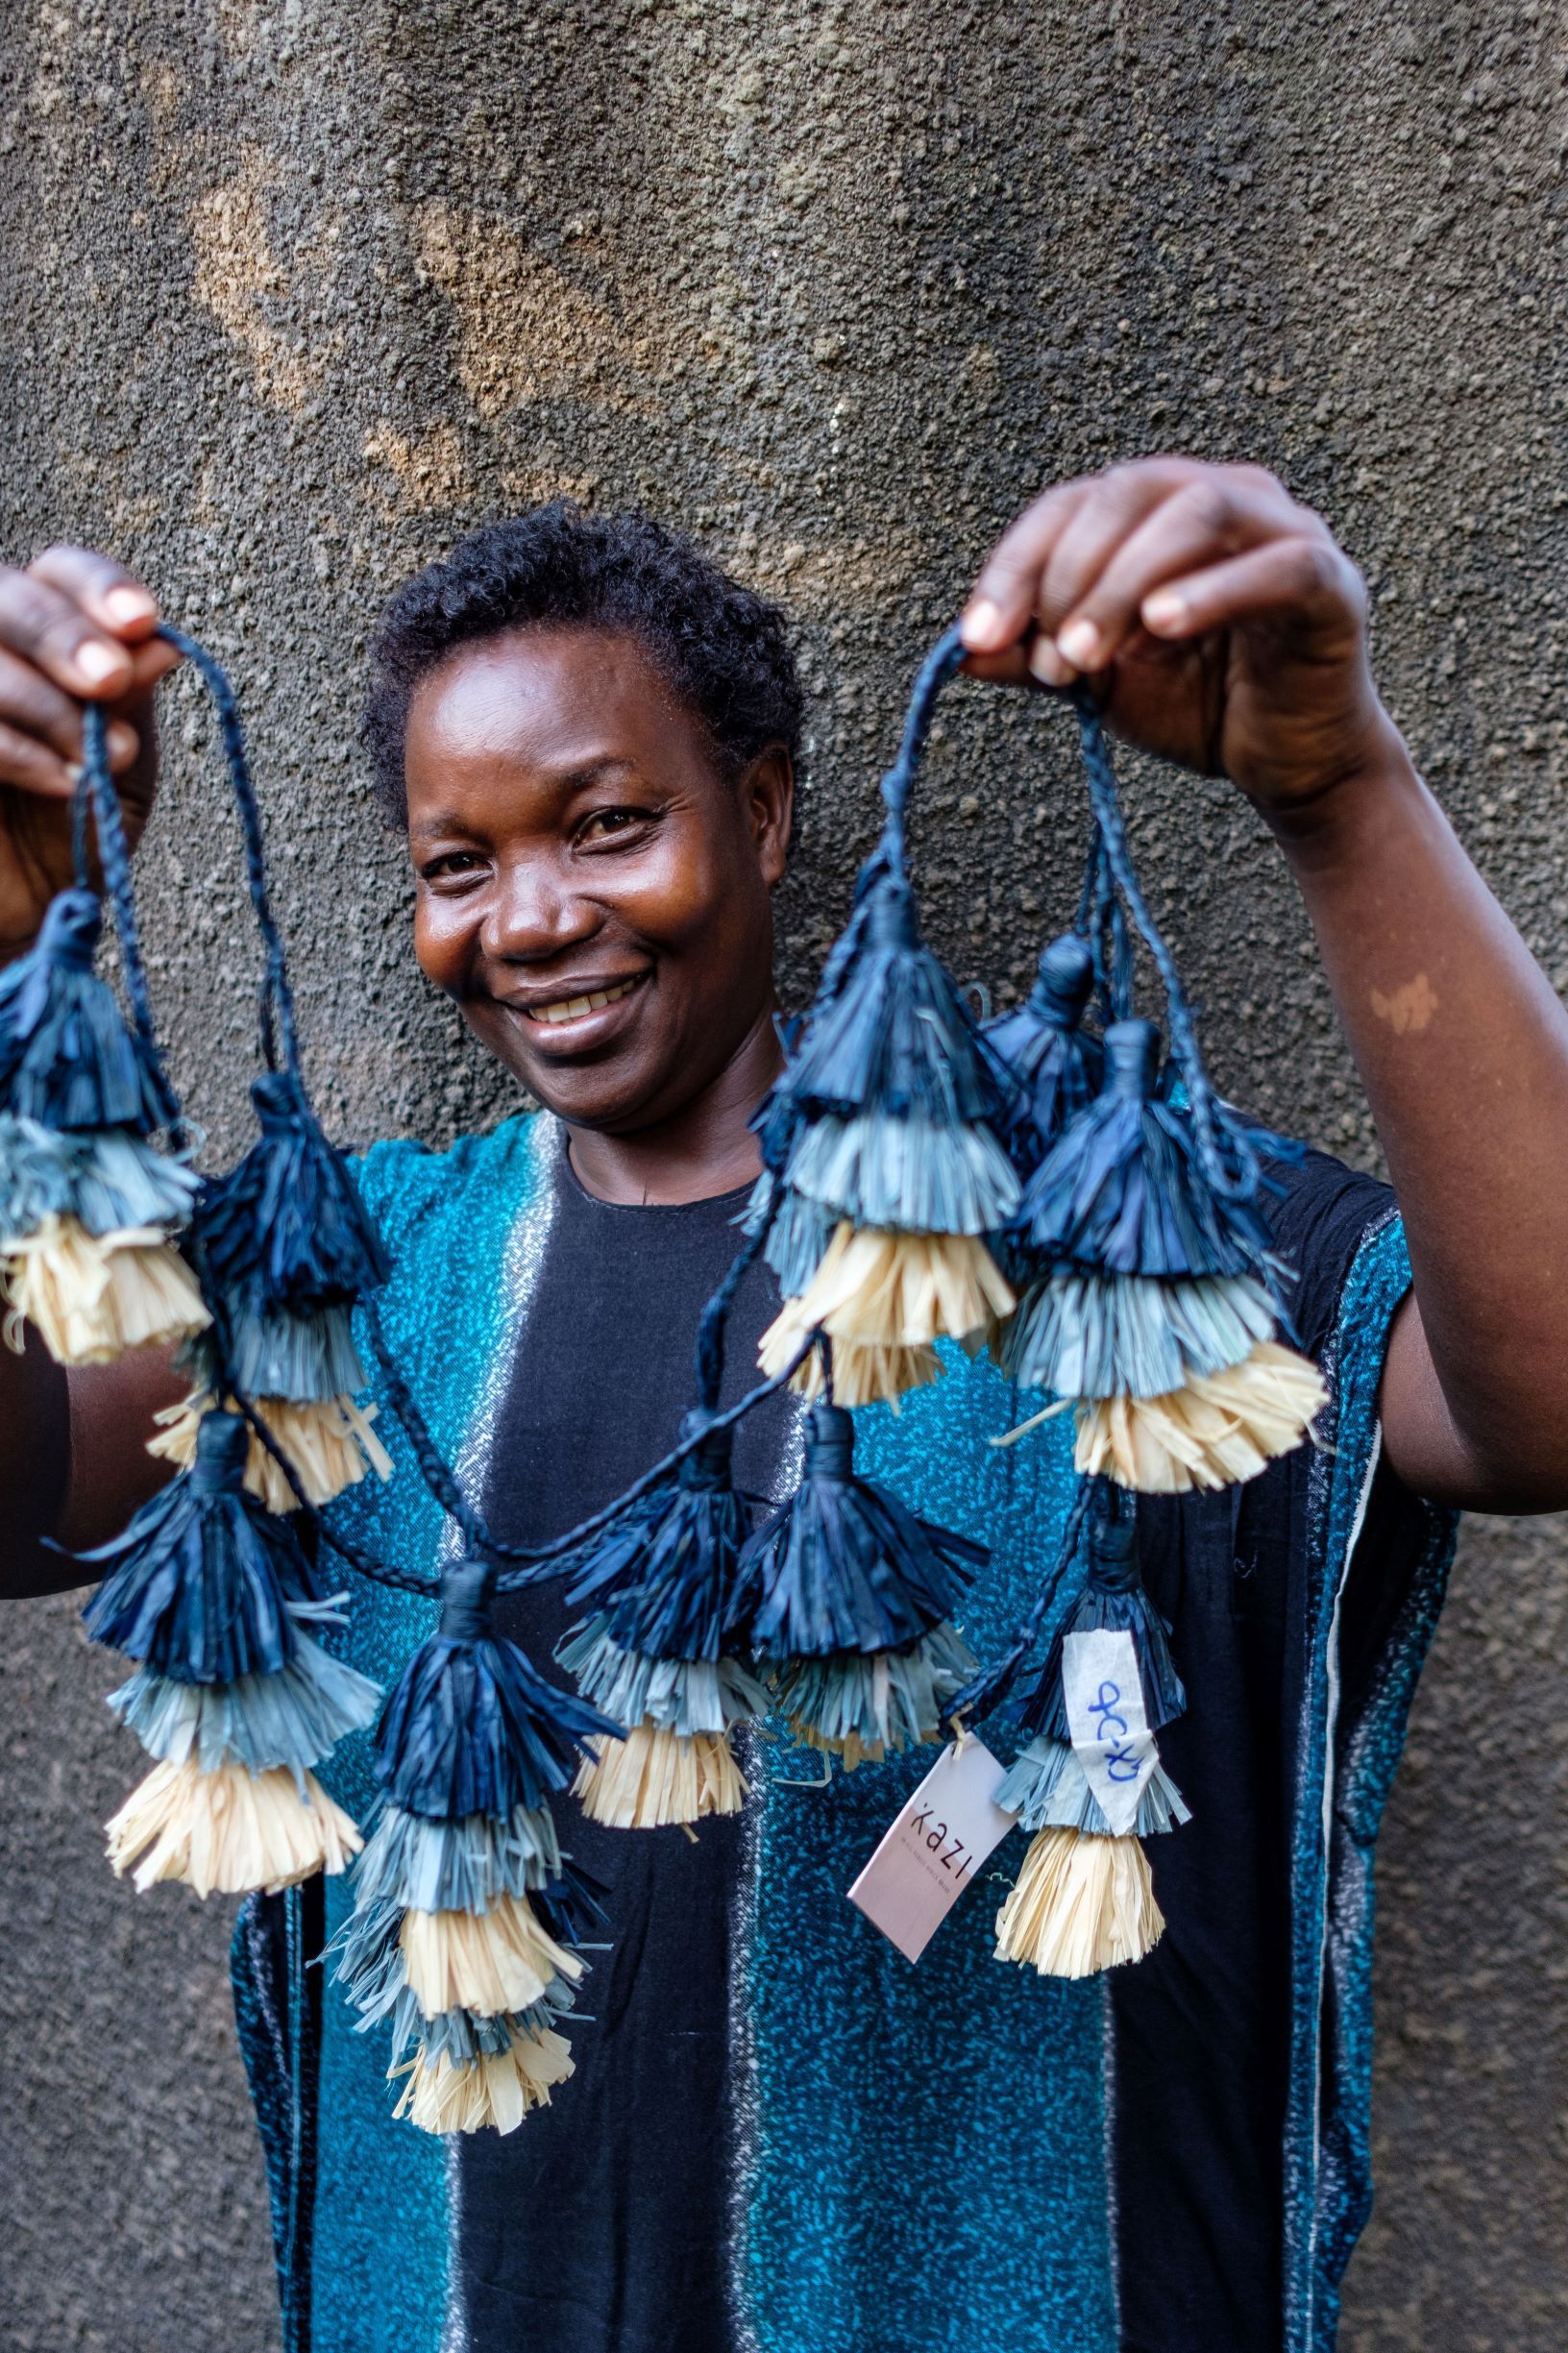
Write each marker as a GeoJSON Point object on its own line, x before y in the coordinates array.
{"type": "Point", "coordinates": [591, 890]}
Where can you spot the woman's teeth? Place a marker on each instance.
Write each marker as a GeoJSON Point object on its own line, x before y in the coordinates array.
{"type": "Point", "coordinates": [572, 1008]}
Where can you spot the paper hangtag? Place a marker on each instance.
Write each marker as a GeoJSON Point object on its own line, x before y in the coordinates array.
{"type": "Point", "coordinates": [1111, 1735]}
{"type": "Point", "coordinates": [943, 1834]}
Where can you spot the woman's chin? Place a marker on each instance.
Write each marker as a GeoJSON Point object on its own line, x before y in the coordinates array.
{"type": "Point", "coordinates": [606, 1095]}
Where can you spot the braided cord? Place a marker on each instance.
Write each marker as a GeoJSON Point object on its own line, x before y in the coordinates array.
{"type": "Point", "coordinates": [114, 855]}
{"type": "Point", "coordinates": [989, 1688]}
{"type": "Point", "coordinates": [277, 996]}
{"type": "Point", "coordinates": [1106, 803]}
{"type": "Point", "coordinates": [939, 666]}
{"type": "Point", "coordinates": [543, 1556]}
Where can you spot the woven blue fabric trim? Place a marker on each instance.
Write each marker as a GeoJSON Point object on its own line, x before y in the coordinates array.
{"type": "Point", "coordinates": [1327, 2168]}
{"type": "Point", "coordinates": [944, 2122]}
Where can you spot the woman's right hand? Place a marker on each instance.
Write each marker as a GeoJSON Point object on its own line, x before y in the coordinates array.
{"type": "Point", "coordinates": [75, 627]}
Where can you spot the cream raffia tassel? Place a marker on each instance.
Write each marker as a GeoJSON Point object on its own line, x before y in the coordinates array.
{"type": "Point", "coordinates": [865, 1372]}
{"type": "Point", "coordinates": [497, 2089]}
{"type": "Point", "coordinates": [903, 1291]}
{"type": "Point", "coordinates": [329, 1442]}
{"type": "Point", "coordinates": [1081, 1904]}
{"type": "Point", "coordinates": [94, 1297]}
{"type": "Point", "coordinates": [1218, 1429]}
{"type": "Point", "coordinates": [655, 1776]}
{"type": "Point", "coordinates": [493, 1961]}
{"type": "Point", "coordinates": [230, 1832]}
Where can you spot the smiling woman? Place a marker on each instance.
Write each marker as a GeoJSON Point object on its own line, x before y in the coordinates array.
{"type": "Point", "coordinates": [772, 2134]}
{"type": "Point", "coordinates": [590, 736]}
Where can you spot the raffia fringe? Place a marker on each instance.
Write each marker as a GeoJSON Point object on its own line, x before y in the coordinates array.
{"type": "Point", "coordinates": [331, 1444]}
{"type": "Point", "coordinates": [903, 1291]}
{"type": "Point", "coordinates": [848, 1747]}
{"type": "Point", "coordinates": [1081, 1904]}
{"type": "Point", "coordinates": [231, 1830]}
{"type": "Point", "coordinates": [655, 1776]}
{"type": "Point", "coordinates": [1220, 1428]}
{"type": "Point", "coordinates": [497, 2089]}
{"type": "Point", "coordinates": [94, 1297]}
{"type": "Point", "coordinates": [864, 1373]}
{"type": "Point", "coordinates": [493, 1961]}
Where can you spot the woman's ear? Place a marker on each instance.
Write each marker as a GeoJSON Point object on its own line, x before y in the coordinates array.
{"type": "Point", "coordinates": [767, 797]}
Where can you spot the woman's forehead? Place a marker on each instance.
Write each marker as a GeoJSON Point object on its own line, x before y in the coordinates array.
{"type": "Point", "coordinates": [554, 709]}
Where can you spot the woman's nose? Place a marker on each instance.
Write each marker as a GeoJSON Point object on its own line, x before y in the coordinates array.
{"type": "Point", "coordinates": [535, 912]}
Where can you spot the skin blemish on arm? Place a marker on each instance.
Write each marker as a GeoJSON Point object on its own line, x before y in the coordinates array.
{"type": "Point", "coordinates": [1409, 1008]}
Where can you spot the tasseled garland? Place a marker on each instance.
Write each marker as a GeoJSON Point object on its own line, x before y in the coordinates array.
{"type": "Point", "coordinates": [895, 1104]}
{"type": "Point", "coordinates": [853, 1598]}
{"type": "Point", "coordinates": [286, 1252]}
{"type": "Point", "coordinates": [893, 1149]}
{"type": "Point", "coordinates": [1156, 1312]}
{"type": "Point", "coordinates": [1085, 1900]}
{"type": "Point", "coordinates": [87, 1207]}
{"type": "Point", "coordinates": [233, 1697]}
{"type": "Point", "coordinates": [464, 1927]}
{"type": "Point", "coordinates": [661, 1653]}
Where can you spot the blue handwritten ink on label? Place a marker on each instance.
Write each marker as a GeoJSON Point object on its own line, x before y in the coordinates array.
{"type": "Point", "coordinates": [1106, 1717]}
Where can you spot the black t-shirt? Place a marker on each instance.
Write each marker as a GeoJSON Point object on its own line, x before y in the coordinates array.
{"type": "Point", "coordinates": [603, 2226]}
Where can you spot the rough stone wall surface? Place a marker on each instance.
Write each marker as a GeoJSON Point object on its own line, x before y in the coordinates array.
{"type": "Point", "coordinates": [293, 293]}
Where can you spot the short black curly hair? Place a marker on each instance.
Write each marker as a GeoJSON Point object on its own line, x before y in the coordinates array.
{"type": "Point", "coordinates": [721, 648]}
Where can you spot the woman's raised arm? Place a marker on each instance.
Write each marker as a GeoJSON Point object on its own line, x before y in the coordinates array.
{"type": "Point", "coordinates": [1223, 628]}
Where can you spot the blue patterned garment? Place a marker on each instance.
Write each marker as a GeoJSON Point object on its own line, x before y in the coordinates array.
{"type": "Point", "coordinates": [936, 2159]}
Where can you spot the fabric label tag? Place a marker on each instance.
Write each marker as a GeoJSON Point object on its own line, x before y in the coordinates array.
{"type": "Point", "coordinates": [944, 1832]}
{"type": "Point", "coordinates": [1111, 1735]}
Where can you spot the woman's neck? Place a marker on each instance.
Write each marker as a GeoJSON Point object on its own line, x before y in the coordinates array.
{"type": "Point", "coordinates": [705, 1148]}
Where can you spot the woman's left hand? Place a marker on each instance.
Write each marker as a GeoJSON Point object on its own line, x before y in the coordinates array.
{"type": "Point", "coordinates": [1218, 621]}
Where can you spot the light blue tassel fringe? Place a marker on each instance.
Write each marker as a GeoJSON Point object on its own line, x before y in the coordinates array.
{"type": "Point", "coordinates": [1132, 1335]}
{"type": "Point", "coordinates": [914, 1175]}
{"type": "Point", "coordinates": [292, 1719]}
{"type": "Point", "coordinates": [423, 1866]}
{"type": "Point", "coordinates": [680, 1694]}
{"type": "Point", "coordinates": [110, 1180]}
{"type": "Point", "coordinates": [895, 1698]}
{"type": "Point", "coordinates": [1048, 1789]}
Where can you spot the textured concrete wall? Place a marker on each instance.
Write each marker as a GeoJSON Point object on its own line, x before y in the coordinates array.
{"type": "Point", "coordinates": [294, 292]}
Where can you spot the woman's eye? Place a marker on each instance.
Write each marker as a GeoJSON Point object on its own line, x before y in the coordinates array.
{"type": "Point", "coordinates": [453, 866]}
{"type": "Point", "coordinates": [605, 824]}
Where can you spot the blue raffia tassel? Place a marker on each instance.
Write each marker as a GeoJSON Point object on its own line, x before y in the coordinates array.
{"type": "Point", "coordinates": [1085, 1899]}
{"type": "Point", "coordinates": [234, 1697]}
{"type": "Point", "coordinates": [88, 1208]}
{"type": "Point", "coordinates": [284, 1253]}
{"type": "Point", "coordinates": [661, 1652]}
{"type": "Point", "coordinates": [1155, 1308]}
{"type": "Point", "coordinates": [896, 1153]}
{"type": "Point", "coordinates": [852, 1608]}
{"type": "Point", "coordinates": [1056, 1061]}
{"type": "Point", "coordinates": [466, 1914]}
{"type": "Point", "coordinates": [889, 1106]}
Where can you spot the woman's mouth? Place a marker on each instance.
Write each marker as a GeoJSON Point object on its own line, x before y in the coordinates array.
{"type": "Point", "coordinates": [574, 1007]}
{"type": "Point", "coordinates": [583, 1019]}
